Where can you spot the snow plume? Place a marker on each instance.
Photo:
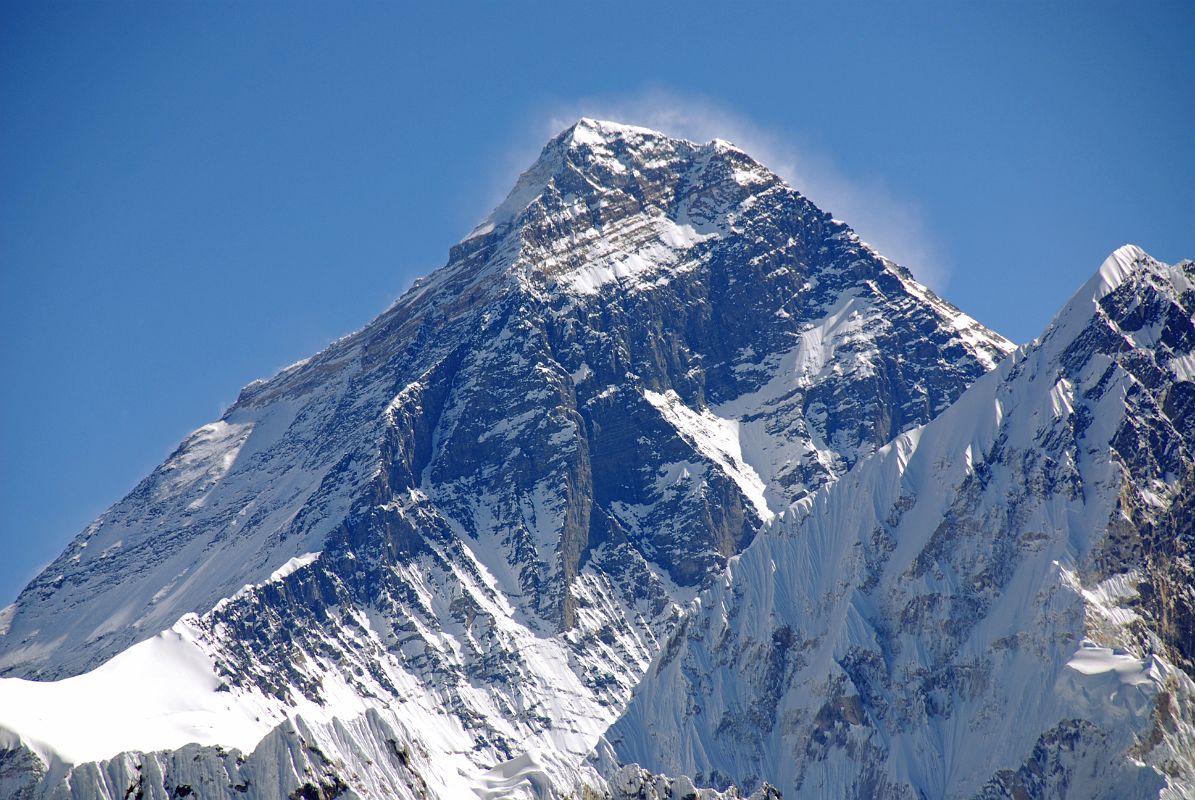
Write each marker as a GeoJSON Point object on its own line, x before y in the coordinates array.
{"type": "Point", "coordinates": [894, 225]}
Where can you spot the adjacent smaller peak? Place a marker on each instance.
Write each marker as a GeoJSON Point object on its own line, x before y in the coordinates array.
{"type": "Point", "coordinates": [1117, 268]}
{"type": "Point", "coordinates": [1128, 267]}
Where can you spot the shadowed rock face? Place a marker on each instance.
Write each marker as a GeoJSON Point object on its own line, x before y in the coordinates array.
{"type": "Point", "coordinates": [517, 475]}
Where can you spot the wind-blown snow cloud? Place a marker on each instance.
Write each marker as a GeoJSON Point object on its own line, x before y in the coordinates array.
{"type": "Point", "coordinates": [892, 224]}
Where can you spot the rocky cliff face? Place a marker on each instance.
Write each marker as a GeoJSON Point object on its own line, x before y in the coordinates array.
{"type": "Point", "coordinates": [981, 608]}
{"type": "Point", "coordinates": [545, 394]}
{"type": "Point", "coordinates": [436, 558]}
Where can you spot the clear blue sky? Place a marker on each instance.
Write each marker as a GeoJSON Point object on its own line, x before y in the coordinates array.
{"type": "Point", "coordinates": [193, 195]}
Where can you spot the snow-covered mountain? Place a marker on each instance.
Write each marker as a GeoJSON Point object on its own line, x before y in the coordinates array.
{"type": "Point", "coordinates": [997, 604]}
{"type": "Point", "coordinates": [436, 559]}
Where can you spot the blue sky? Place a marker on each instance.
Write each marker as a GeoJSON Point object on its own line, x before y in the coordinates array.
{"type": "Point", "coordinates": [193, 195]}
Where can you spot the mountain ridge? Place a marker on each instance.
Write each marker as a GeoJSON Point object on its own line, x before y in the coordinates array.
{"type": "Point", "coordinates": [437, 557]}
{"type": "Point", "coordinates": [443, 302]}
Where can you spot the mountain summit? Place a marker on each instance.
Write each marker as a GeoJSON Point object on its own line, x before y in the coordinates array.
{"type": "Point", "coordinates": [437, 558]}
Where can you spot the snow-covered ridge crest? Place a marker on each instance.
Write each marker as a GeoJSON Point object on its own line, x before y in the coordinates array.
{"type": "Point", "coordinates": [277, 576]}
{"type": "Point", "coordinates": [1118, 266]}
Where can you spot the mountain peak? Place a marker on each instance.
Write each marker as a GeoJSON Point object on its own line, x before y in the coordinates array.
{"type": "Point", "coordinates": [587, 130]}
{"type": "Point", "coordinates": [589, 133]}
{"type": "Point", "coordinates": [595, 158]}
{"type": "Point", "coordinates": [1128, 275]}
